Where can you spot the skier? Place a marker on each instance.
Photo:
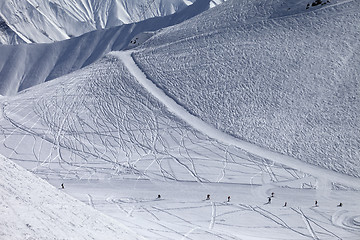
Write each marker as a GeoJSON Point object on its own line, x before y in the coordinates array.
{"type": "Point", "coordinates": [272, 194]}
{"type": "Point", "coordinates": [340, 205]}
{"type": "Point", "coordinates": [228, 199]}
{"type": "Point", "coordinates": [159, 196]}
{"type": "Point", "coordinates": [62, 186]}
{"type": "Point", "coordinates": [316, 203]}
{"type": "Point", "coordinates": [269, 200]}
{"type": "Point", "coordinates": [208, 197]}
{"type": "Point", "coordinates": [285, 204]}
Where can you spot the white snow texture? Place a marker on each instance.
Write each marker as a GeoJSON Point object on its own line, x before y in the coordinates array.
{"type": "Point", "coordinates": [201, 119]}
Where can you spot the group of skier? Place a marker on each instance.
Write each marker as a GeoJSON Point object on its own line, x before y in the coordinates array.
{"type": "Point", "coordinates": [228, 199]}
{"type": "Point", "coordinates": [270, 198]}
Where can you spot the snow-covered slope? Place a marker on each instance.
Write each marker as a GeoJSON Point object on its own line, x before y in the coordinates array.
{"type": "Point", "coordinates": [7, 35]}
{"type": "Point", "coordinates": [179, 116]}
{"type": "Point", "coordinates": [47, 21]}
{"type": "Point", "coordinates": [26, 65]}
{"type": "Point", "coordinates": [33, 209]}
{"type": "Point", "coordinates": [260, 72]}
{"type": "Point", "coordinates": [117, 144]}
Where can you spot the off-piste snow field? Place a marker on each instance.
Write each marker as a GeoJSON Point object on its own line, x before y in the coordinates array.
{"type": "Point", "coordinates": [234, 121]}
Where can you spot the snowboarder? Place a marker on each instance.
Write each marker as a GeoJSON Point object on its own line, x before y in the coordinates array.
{"type": "Point", "coordinates": [285, 204]}
{"type": "Point", "coordinates": [269, 200]}
{"type": "Point", "coordinates": [208, 197]}
{"type": "Point", "coordinates": [228, 199]}
{"type": "Point", "coordinates": [62, 186]}
{"type": "Point", "coordinates": [340, 205]}
{"type": "Point", "coordinates": [316, 203]}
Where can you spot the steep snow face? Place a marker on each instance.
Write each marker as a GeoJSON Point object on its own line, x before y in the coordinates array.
{"type": "Point", "coordinates": [257, 71]}
{"type": "Point", "coordinates": [7, 35]}
{"type": "Point", "coordinates": [37, 21]}
{"type": "Point", "coordinates": [26, 65]}
{"type": "Point", "coordinates": [33, 209]}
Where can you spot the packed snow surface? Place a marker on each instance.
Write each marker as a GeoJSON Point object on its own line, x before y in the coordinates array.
{"type": "Point", "coordinates": [143, 135]}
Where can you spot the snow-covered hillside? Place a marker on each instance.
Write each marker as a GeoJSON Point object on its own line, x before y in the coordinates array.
{"type": "Point", "coordinates": [205, 102]}
{"type": "Point", "coordinates": [33, 209]}
{"type": "Point", "coordinates": [7, 35]}
{"type": "Point", "coordinates": [40, 21]}
{"type": "Point", "coordinates": [117, 144]}
{"type": "Point", "coordinates": [254, 69]}
{"type": "Point", "coordinates": [26, 65]}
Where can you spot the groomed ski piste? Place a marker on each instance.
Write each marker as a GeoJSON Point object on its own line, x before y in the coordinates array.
{"type": "Point", "coordinates": [116, 138]}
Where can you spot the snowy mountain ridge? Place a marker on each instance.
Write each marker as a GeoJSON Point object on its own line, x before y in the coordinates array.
{"type": "Point", "coordinates": [37, 21]}
{"type": "Point", "coordinates": [26, 65]}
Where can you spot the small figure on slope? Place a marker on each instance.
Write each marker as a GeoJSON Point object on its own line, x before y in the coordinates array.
{"type": "Point", "coordinates": [159, 196]}
{"type": "Point", "coordinates": [228, 199]}
{"type": "Point", "coordinates": [340, 205]}
{"type": "Point", "coordinates": [269, 200]}
{"type": "Point", "coordinates": [208, 197]}
{"type": "Point", "coordinates": [316, 203]}
{"type": "Point", "coordinates": [62, 186]}
{"type": "Point", "coordinates": [285, 204]}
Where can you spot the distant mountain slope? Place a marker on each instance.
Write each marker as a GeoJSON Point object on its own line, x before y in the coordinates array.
{"type": "Point", "coordinates": [281, 74]}
{"type": "Point", "coordinates": [33, 209]}
{"type": "Point", "coordinates": [26, 65]}
{"type": "Point", "coordinates": [7, 35]}
{"type": "Point", "coordinates": [37, 21]}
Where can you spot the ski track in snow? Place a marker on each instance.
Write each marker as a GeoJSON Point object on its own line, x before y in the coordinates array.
{"type": "Point", "coordinates": [308, 225]}
{"type": "Point", "coordinates": [324, 177]}
{"type": "Point", "coordinates": [213, 215]}
{"type": "Point", "coordinates": [91, 203]}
